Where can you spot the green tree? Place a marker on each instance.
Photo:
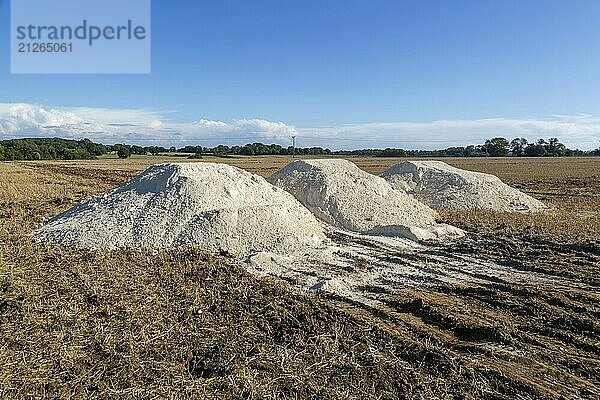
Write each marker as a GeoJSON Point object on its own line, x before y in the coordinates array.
{"type": "Point", "coordinates": [51, 149]}
{"type": "Point", "coordinates": [556, 148]}
{"type": "Point", "coordinates": [123, 151]}
{"type": "Point", "coordinates": [497, 147]}
{"type": "Point", "coordinates": [393, 153]}
{"type": "Point", "coordinates": [138, 150]}
{"type": "Point", "coordinates": [221, 150]}
{"type": "Point", "coordinates": [247, 150]}
{"type": "Point", "coordinates": [517, 146]}
{"type": "Point", "coordinates": [535, 150]}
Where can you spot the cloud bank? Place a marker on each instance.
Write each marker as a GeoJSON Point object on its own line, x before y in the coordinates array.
{"type": "Point", "coordinates": [132, 126]}
{"type": "Point", "coordinates": [151, 127]}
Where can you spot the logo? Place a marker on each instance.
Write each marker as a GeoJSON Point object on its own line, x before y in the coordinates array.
{"type": "Point", "coordinates": [80, 36]}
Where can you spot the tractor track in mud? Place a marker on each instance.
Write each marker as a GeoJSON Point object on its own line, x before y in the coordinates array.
{"type": "Point", "coordinates": [526, 306]}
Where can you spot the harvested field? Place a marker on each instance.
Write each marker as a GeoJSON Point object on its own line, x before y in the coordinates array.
{"type": "Point", "coordinates": [523, 324]}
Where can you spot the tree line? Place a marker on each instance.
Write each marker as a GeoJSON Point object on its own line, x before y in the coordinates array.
{"type": "Point", "coordinates": [50, 149]}
{"type": "Point", "coordinates": [66, 149]}
{"type": "Point", "coordinates": [253, 149]}
{"type": "Point", "coordinates": [85, 149]}
{"type": "Point", "coordinates": [496, 147]}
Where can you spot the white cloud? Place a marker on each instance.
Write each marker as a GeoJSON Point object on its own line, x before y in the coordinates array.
{"type": "Point", "coordinates": [575, 131]}
{"type": "Point", "coordinates": [134, 126]}
{"type": "Point", "coordinates": [274, 130]}
{"type": "Point", "coordinates": [140, 126]}
{"type": "Point", "coordinates": [205, 123]}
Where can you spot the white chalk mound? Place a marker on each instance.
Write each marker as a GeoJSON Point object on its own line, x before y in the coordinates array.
{"type": "Point", "coordinates": [341, 194]}
{"type": "Point", "coordinates": [442, 186]}
{"type": "Point", "coordinates": [214, 206]}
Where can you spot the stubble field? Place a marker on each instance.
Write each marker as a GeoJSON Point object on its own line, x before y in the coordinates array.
{"type": "Point", "coordinates": [181, 323]}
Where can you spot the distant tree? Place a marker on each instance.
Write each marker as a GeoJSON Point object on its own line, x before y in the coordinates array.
{"type": "Point", "coordinates": [138, 150]}
{"type": "Point", "coordinates": [172, 149]}
{"type": "Point", "coordinates": [191, 149]}
{"type": "Point", "coordinates": [122, 151]}
{"type": "Point", "coordinates": [50, 149]}
{"type": "Point", "coordinates": [555, 148]}
{"type": "Point", "coordinates": [455, 151]}
{"type": "Point", "coordinates": [393, 153]}
{"type": "Point", "coordinates": [154, 150]}
{"type": "Point", "coordinates": [92, 148]}
{"type": "Point", "coordinates": [535, 150]}
{"type": "Point", "coordinates": [220, 150]}
{"type": "Point", "coordinates": [468, 151]}
{"type": "Point", "coordinates": [497, 147]}
{"type": "Point", "coordinates": [597, 152]}
{"type": "Point", "coordinates": [247, 150]}
{"type": "Point", "coordinates": [517, 146]}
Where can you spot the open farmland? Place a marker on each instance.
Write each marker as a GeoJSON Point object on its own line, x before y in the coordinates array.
{"type": "Point", "coordinates": [181, 323]}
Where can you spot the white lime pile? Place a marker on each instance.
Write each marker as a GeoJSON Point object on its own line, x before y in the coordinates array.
{"type": "Point", "coordinates": [341, 194]}
{"type": "Point", "coordinates": [442, 186]}
{"type": "Point", "coordinates": [214, 206]}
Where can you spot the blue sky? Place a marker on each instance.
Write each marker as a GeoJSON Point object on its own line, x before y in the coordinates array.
{"type": "Point", "coordinates": [418, 74]}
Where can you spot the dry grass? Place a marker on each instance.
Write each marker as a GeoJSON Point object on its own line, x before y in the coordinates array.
{"type": "Point", "coordinates": [570, 186]}
{"type": "Point", "coordinates": [185, 324]}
